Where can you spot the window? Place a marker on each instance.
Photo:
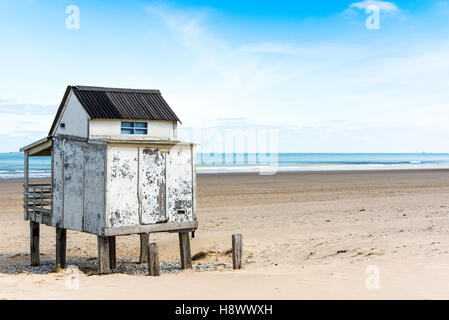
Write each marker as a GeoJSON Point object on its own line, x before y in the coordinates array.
{"type": "Point", "coordinates": [134, 128]}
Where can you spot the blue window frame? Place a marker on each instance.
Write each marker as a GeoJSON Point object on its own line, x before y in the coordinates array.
{"type": "Point", "coordinates": [134, 128]}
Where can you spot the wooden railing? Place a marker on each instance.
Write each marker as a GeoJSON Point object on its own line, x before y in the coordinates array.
{"type": "Point", "coordinates": [37, 202]}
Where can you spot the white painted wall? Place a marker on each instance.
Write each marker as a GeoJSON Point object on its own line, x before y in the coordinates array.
{"type": "Point", "coordinates": [111, 129]}
{"type": "Point", "coordinates": [127, 185]}
{"type": "Point", "coordinates": [74, 117]}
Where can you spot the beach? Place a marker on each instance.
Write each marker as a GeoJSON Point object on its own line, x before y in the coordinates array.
{"type": "Point", "coordinates": [306, 235]}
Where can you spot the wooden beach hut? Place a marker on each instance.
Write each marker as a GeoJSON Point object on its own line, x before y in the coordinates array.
{"type": "Point", "coordinates": [117, 168]}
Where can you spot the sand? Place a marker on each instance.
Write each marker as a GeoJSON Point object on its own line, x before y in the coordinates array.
{"type": "Point", "coordinates": [322, 235]}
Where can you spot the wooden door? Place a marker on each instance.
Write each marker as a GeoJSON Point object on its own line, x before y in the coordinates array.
{"type": "Point", "coordinates": [152, 185]}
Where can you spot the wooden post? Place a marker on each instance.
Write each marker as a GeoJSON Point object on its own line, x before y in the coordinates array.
{"type": "Point", "coordinates": [237, 246]}
{"type": "Point", "coordinates": [184, 248]}
{"type": "Point", "coordinates": [153, 260]}
{"type": "Point", "coordinates": [103, 254]}
{"type": "Point", "coordinates": [61, 245]}
{"type": "Point", "coordinates": [34, 243]}
{"type": "Point", "coordinates": [25, 183]}
{"type": "Point", "coordinates": [112, 253]}
{"type": "Point", "coordinates": [144, 239]}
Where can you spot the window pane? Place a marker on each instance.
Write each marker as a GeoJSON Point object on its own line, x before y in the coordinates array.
{"type": "Point", "coordinates": [127, 131]}
{"type": "Point", "coordinates": [128, 124]}
{"type": "Point", "coordinates": [140, 124]}
{"type": "Point", "coordinates": [141, 131]}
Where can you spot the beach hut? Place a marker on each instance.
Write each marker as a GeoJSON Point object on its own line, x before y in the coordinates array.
{"type": "Point", "coordinates": [117, 168]}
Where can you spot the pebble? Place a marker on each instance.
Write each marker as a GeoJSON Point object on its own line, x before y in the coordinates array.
{"type": "Point", "coordinates": [123, 266]}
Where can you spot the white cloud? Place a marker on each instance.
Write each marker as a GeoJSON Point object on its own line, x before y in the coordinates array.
{"type": "Point", "coordinates": [385, 6]}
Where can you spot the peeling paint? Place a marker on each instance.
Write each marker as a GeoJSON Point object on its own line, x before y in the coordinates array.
{"type": "Point", "coordinates": [152, 186]}
{"type": "Point", "coordinates": [122, 200]}
{"type": "Point", "coordinates": [179, 185]}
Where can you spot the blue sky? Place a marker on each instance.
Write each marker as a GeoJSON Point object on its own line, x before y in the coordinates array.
{"type": "Point", "coordinates": [310, 69]}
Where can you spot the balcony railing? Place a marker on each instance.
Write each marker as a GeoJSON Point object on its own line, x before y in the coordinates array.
{"type": "Point", "coordinates": [37, 202]}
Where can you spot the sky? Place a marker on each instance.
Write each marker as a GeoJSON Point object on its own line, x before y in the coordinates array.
{"type": "Point", "coordinates": [321, 74]}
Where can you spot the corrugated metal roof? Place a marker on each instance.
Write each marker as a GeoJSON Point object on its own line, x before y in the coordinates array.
{"type": "Point", "coordinates": [115, 103]}
{"type": "Point", "coordinates": [119, 103]}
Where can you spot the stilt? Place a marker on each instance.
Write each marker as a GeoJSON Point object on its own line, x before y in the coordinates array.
{"type": "Point", "coordinates": [153, 260]}
{"type": "Point", "coordinates": [144, 239]}
{"type": "Point", "coordinates": [61, 245]}
{"type": "Point", "coordinates": [103, 254]}
{"type": "Point", "coordinates": [34, 243]}
{"type": "Point", "coordinates": [237, 246]}
{"type": "Point", "coordinates": [112, 253]}
{"type": "Point", "coordinates": [184, 248]}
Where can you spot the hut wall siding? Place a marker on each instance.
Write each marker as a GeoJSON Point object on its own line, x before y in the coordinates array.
{"type": "Point", "coordinates": [146, 186]}
{"type": "Point", "coordinates": [111, 129]}
{"type": "Point", "coordinates": [97, 186]}
{"type": "Point", "coordinates": [75, 119]}
{"type": "Point", "coordinates": [73, 186]}
{"type": "Point", "coordinates": [152, 164]}
{"type": "Point", "coordinates": [180, 184]}
{"type": "Point", "coordinates": [58, 182]}
{"type": "Point", "coordinates": [78, 185]}
{"type": "Point", "coordinates": [94, 189]}
{"type": "Point", "coordinates": [122, 196]}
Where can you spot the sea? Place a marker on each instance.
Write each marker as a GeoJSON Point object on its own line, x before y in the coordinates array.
{"type": "Point", "coordinates": [11, 164]}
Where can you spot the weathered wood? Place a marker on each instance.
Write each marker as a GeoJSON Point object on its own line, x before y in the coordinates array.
{"type": "Point", "coordinates": [94, 188]}
{"type": "Point", "coordinates": [103, 254]}
{"type": "Point", "coordinates": [144, 239]}
{"type": "Point", "coordinates": [34, 243]}
{"type": "Point", "coordinates": [112, 253]}
{"type": "Point", "coordinates": [151, 228]}
{"type": "Point", "coordinates": [34, 209]}
{"type": "Point", "coordinates": [61, 246]}
{"type": "Point", "coordinates": [237, 248]}
{"type": "Point", "coordinates": [38, 195]}
{"type": "Point", "coordinates": [37, 201]}
{"type": "Point", "coordinates": [184, 248]}
{"type": "Point", "coordinates": [153, 260]}
{"type": "Point", "coordinates": [152, 187]}
{"type": "Point", "coordinates": [73, 197]}
{"type": "Point", "coordinates": [25, 180]}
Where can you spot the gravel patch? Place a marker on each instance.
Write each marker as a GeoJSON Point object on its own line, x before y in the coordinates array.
{"type": "Point", "coordinates": [89, 266]}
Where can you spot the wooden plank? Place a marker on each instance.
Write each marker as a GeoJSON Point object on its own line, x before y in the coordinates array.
{"type": "Point", "coordinates": [112, 253]}
{"type": "Point", "coordinates": [179, 182]}
{"type": "Point", "coordinates": [184, 248]}
{"type": "Point", "coordinates": [46, 195]}
{"type": "Point", "coordinates": [122, 189]}
{"type": "Point", "coordinates": [94, 186]}
{"type": "Point", "coordinates": [103, 254]}
{"type": "Point", "coordinates": [73, 185]}
{"type": "Point", "coordinates": [153, 260]}
{"type": "Point", "coordinates": [26, 180]}
{"type": "Point", "coordinates": [40, 187]}
{"type": "Point", "coordinates": [193, 155]}
{"type": "Point", "coordinates": [150, 228]}
{"type": "Point", "coordinates": [37, 209]}
{"type": "Point", "coordinates": [58, 184]}
{"type": "Point", "coordinates": [144, 239]}
{"type": "Point", "coordinates": [61, 246]}
{"type": "Point", "coordinates": [38, 149]}
{"type": "Point", "coordinates": [237, 247]}
{"type": "Point", "coordinates": [34, 243]}
{"type": "Point", "coordinates": [152, 186]}
{"type": "Point", "coordinates": [38, 201]}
